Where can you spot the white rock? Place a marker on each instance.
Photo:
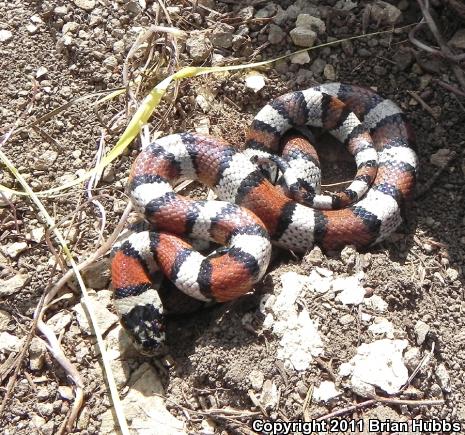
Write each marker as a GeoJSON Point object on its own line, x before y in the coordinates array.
{"type": "Point", "coordinates": [202, 126]}
{"type": "Point", "coordinates": [376, 303]}
{"type": "Point", "coordinates": [452, 273]}
{"type": "Point", "coordinates": [255, 81]}
{"type": "Point", "coordinates": [31, 28]}
{"type": "Point", "coordinates": [41, 72]}
{"type": "Point", "coordinates": [421, 329]}
{"type": "Point", "coordinates": [46, 160]}
{"type": "Point", "coordinates": [61, 10]}
{"type": "Point", "coordinates": [36, 423]}
{"type": "Point", "coordinates": [320, 282]}
{"type": "Point", "coordinates": [300, 340]}
{"type": "Point", "coordinates": [325, 392]}
{"type": "Point", "coordinates": [350, 288]}
{"type": "Point", "coordinates": [13, 285]}
{"type": "Point", "coordinates": [443, 378]}
{"type": "Point", "coordinates": [110, 62]}
{"type": "Point", "coordinates": [377, 364]}
{"type": "Point", "coordinates": [382, 326]}
{"type": "Point", "coordinates": [70, 27]}
{"type": "Point", "coordinates": [37, 234]}
{"type": "Point", "coordinates": [346, 319]}
{"type": "Point", "coordinates": [65, 392]}
{"type": "Point", "coordinates": [14, 249]}
{"type": "Point", "coordinates": [270, 397]}
{"type": "Point", "coordinates": [59, 321]}
{"type": "Point", "coordinates": [9, 343]}
{"type": "Point", "coordinates": [5, 35]}
{"type": "Point", "coordinates": [87, 5]}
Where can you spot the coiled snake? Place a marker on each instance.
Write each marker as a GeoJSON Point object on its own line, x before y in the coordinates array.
{"type": "Point", "coordinates": [253, 213]}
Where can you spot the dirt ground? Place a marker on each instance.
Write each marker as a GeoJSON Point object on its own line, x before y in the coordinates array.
{"type": "Point", "coordinates": [73, 49]}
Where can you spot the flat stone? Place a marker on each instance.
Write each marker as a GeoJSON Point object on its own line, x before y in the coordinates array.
{"type": "Point", "coordinates": [144, 407]}
{"type": "Point", "coordinates": [5, 35]}
{"type": "Point", "coordinates": [313, 23]}
{"type": "Point", "coordinates": [105, 318]}
{"type": "Point", "coordinates": [87, 5]}
{"type": "Point", "coordinates": [13, 285]}
{"type": "Point", "coordinates": [61, 11]}
{"type": "Point", "coordinates": [303, 37]}
{"type": "Point", "coordinates": [325, 392]}
{"type": "Point", "coordinates": [37, 234]}
{"type": "Point", "coordinates": [403, 59]}
{"type": "Point", "coordinates": [300, 58]}
{"type": "Point", "coordinates": [14, 249]}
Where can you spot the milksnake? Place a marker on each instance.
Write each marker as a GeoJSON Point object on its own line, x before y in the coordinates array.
{"type": "Point", "coordinates": [253, 212]}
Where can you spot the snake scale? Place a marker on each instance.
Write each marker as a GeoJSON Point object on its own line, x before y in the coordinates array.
{"type": "Point", "coordinates": [253, 213]}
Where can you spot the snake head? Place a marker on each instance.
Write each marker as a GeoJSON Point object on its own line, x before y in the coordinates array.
{"type": "Point", "coordinates": [146, 328]}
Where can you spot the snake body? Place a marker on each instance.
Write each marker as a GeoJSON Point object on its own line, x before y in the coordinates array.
{"type": "Point", "coordinates": [252, 212]}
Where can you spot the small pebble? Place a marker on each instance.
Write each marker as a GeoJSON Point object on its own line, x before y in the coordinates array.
{"type": "Point", "coordinates": [87, 5]}
{"type": "Point", "coordinates": [5, 35]}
